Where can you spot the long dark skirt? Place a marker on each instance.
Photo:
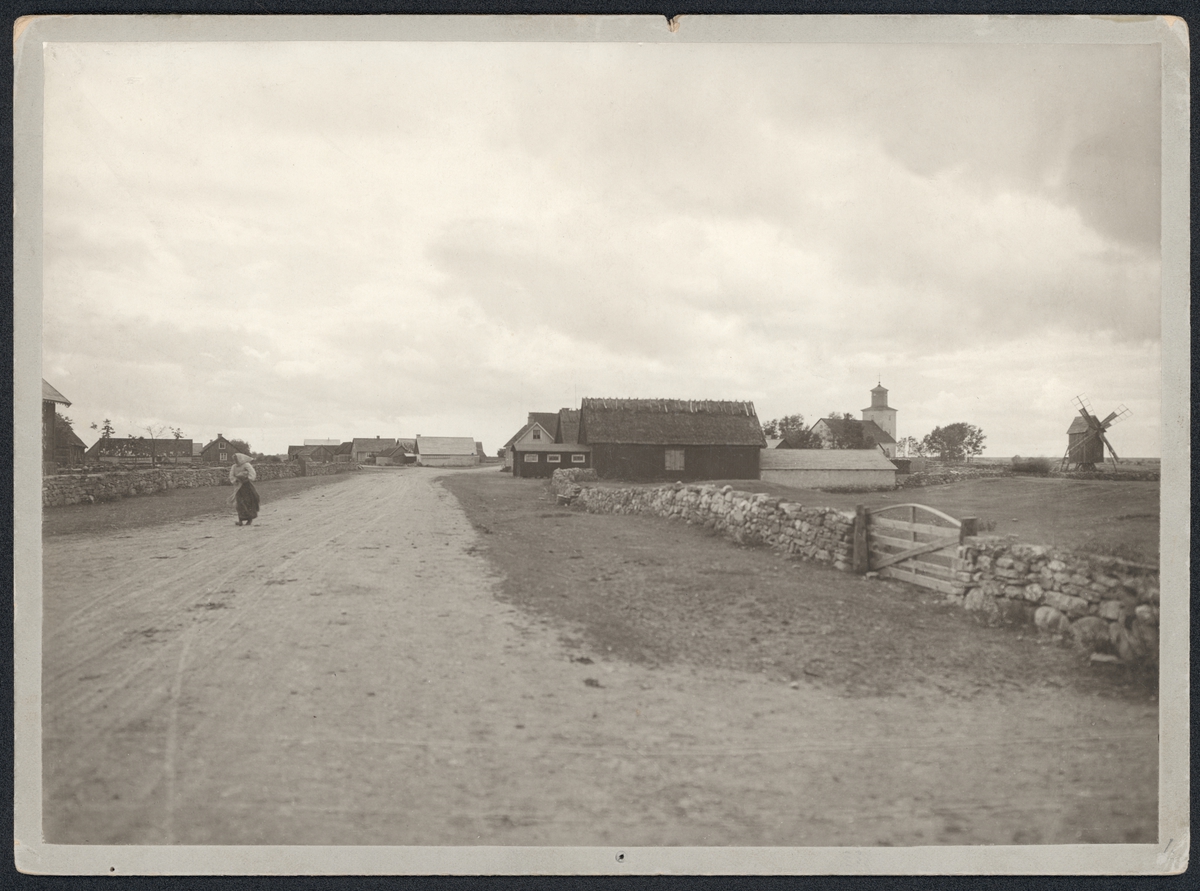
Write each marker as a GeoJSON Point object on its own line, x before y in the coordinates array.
{"type": "Point", "coordinates": [247, 501]}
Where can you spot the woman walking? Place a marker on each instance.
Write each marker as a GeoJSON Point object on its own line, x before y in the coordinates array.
{"type": "Point", "coordinates": [242, 475]}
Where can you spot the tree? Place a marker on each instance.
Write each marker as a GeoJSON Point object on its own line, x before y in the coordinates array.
{"type": "Point", "coordinates": [909, 447]}
{"type": "Point", "coordinates": [955, 442]}
{"type": "Point", "coordinates": [849, 434]}
{"type": "Point", "coordinates": [155, 431]}
{"type": "Point", "coordinates": [793, 431]}
{"type": "Point", "coordinates": [106, 431]}
{"type": "Point", "coordinates": [177, 434]}
{"type": "Point", "coordinates": [239, 446]}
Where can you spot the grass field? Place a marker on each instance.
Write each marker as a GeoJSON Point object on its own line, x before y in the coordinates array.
{"type": "Point", "coordinates": [1119, 519]}
{"type": "Point", "coordinates": [653, 591]}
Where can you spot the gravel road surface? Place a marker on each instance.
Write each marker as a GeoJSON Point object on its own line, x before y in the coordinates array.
{"type": "Point", "coordinates": [342, 673]}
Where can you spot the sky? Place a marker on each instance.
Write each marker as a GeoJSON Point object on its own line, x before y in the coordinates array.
{"type": "Point", "coordinates": [289, 241]}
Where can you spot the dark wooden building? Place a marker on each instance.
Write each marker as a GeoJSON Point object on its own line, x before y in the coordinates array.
{"type": "Point", "coordinates": [1083, 445]}
{"type": "Point", "coordinates": [538, 453]}
{"type": "Point", "coordinates": [671, 439]}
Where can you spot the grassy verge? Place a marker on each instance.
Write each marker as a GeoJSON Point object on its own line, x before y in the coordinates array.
{"type": "Point", "coordinates": [654, 591]}
{"type": "Point", "coordinates": [168, 506]}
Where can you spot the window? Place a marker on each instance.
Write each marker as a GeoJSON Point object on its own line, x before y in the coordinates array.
{"type": "Point", "coordinates": [674, 459]}
{"type": "Point", "coordinates": [579, 459]}
{"type": "Point", "coordinates": [554, 459]}
{"type": "Point", "coordinates": [537, 434]}
{"type": "Point", "coordinates": [221, 446]}
{"type": "Point", "coordinates": [531, 458]}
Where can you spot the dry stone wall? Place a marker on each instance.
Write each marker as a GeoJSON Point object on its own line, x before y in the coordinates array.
{"type": "Point", "coordinates": [87, 488]}
{"type": "Point", "coordinates": [1106, 605]}
{"type": "Point", "coordinates": [820, 534]}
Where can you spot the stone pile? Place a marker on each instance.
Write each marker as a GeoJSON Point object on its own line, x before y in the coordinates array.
{"type": "Point", "coordinates": [1106, 605]}
{"type": "Point", "coordinates": [820, 534]}
{"type": "Point", "coordinates": [940, 474]}
{"type": "Point", "coordinates": [106, 485]}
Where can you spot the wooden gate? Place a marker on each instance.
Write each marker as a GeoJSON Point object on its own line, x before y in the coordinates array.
{"type": "Point", "coordinates": [910, 542]}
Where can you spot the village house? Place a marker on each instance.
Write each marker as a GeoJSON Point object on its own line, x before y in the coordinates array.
{"type": "Point", "coordinates": [538, 453]}
{"type": "Point", "coordinates": [219, 451]}
{"type": "Point", "coordinates": [396, 456]}
{"type": "Point", "coordinates": [676, 439]}
{"type": "Point", "coordinates": [446, 451]}
{"type": "Point", "coordinates": [363, 451]}
{"type": "Point", "coordinates": [835, 432]}
{"type": "Point", "coordinates": [549, 424]}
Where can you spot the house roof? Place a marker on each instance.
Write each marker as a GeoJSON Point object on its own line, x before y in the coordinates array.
{"type": "Point", "coordinates": [49, 394]}
{"type": "Point", "coordinates": [372, 444]}
{"type": "Point", "coordinates": [397, 451]}
{"type": "Point", "coordinates": [825, 459]}
{"type": "Point", "coordinates": [843, 426]}
{"type": "Point", "coordinates": [517, 435]}
{"type": "Point", "coordinates": [197, 449]}
{"type": "Point", "coordinates": [445, 445]}
{"type": "Point", "coordinates": [525, 434]}
{"type": "Point", "coordinates": [344, 449]}
{"type": "Point", "coordinates": [568, 425]}
{"type": "Point", "coordinates": [479, 449]}
{"type": "Point", "coordinates": [548, 420]}
{"type": "Point", "coordinates": [1078, 425]}
{"type": "Point", "coordinates": [74, 440]}
{"type": "Point", "coordinates": [773, 443]}
{"type": "Point", "coordinates": [322, 442]}
{"type": "Point", "coordinates": [670, 422]}
{"type": "Point", "coordinates": [295, 450]}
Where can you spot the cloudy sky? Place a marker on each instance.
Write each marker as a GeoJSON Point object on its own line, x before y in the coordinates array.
{"type": "Point", "coordinates": [280, 241]}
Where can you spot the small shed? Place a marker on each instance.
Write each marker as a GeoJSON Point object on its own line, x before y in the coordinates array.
{"type": "Point", "coordinates": [825, 468]}
{"type": "Point", "coordinates": [446, 451]}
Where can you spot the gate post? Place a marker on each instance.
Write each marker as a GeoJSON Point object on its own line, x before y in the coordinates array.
{"type": "Point", "coordinates": [862, 557]}
{"type": "Point", "coordinates": [970, 527]}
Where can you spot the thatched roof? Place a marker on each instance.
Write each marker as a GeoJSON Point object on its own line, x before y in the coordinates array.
{"type": "Point", "coordinates": [669, 422]}
{"type": "Point", "coordinates": [568, 425]}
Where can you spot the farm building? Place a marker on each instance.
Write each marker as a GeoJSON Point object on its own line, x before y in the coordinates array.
{"type": "Point", "coordinates": [773, 443]}
{"type": "Point", "coordinates": [344, 453]}
{"type": "Point", "coordinates": [50, 398]}
{"type": "Point", "coordinates": [549, 424]}
{"type": "Point", "coordinates": [536, 454]}
{"type": "Point", "coordinates": [318, 454]}
{"type": "Point", "coordinates": [823, 468]}
{"type": "Point", "coordinates": [363, 450]}
{"type": "Point", "coordinates": [140, 450]}
{"type": "Point", "coordinates": [675, 439]}
{"type": "Point", "coordinates": [394, 457]}
{"type": "Point", "coordinates": [446, 451]}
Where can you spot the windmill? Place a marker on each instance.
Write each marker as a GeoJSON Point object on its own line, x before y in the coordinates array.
{"type": "Point", "coordinates": [1085, 437]}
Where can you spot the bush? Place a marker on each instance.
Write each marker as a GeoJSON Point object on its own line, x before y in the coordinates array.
{"type": "Point", "coordinates": [1040, 466]}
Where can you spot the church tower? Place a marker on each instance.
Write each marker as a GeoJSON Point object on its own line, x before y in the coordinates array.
{"type": "Point", "coordinates": [880, 412]}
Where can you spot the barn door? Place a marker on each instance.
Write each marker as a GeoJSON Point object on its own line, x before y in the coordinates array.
{"type": "Point", "coordinates": [915, 543]}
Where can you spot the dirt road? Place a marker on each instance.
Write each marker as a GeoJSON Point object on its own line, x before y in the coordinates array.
{"type": "Point", "coordinates": [341, 672]}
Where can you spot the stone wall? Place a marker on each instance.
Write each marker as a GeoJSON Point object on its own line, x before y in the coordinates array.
{"type": "Point", "coordinates": [107, 485]}
{"type": "Point", "coordinates": [1106, 605]}
{"type": "Point", "coordinates": [820, 534]}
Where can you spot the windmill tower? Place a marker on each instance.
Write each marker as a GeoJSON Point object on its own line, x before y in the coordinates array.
{"type": "Point", "coordinates": [1085, 437]}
